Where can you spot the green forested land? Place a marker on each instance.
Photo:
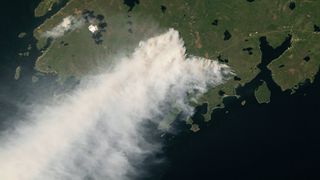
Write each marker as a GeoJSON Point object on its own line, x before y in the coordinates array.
{"type": "Point", "coordinates": [44, 7]}
{"type": "Point", "coordinates": [204, 25]}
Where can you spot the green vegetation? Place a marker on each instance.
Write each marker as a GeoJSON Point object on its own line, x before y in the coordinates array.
{"type": "Point", "coordinates": [262, 93]}
{"type": "Point", "coordinates": [224, 30]}
{"type": "Point", "coordinates": [195, 128]}
{"type": "Point", "coordinates": [25, 54]}
{"type": "Point", "coordinates": [22, 35]}
{"type": "Point", "coordinates": [299, 63]}
{"type": "Point", "coordinates": [44, 7]}
{"type": "Point", "coordinates": [18, 73]}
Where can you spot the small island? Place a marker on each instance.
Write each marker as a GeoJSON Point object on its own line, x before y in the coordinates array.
{"type": "Point", "coordinates": [262, 93]}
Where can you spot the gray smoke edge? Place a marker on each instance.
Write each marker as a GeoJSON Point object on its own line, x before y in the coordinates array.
{"type": "Point", "coordinates": [100, 130]}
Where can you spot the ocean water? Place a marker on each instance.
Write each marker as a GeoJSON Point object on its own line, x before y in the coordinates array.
{"type": "Point", "coordinates": [17, 16]}
{"type": "Point", "coordinates": [279, 140]}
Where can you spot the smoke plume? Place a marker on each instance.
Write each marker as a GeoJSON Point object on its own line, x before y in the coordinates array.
{"type": "Point", "coordinates": [98, 130]}
{"type": "Point", "coordinates": [69, 23]}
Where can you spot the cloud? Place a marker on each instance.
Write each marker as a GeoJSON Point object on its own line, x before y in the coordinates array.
{"type": "Point", "coordinates": [99, 130]}
{"type": "Point", "coordinates": [69, 23]}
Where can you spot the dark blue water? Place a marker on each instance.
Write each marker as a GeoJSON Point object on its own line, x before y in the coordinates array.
{"type": "Point", "coordinates": [18, 16]}
{"type": "Point", "coordinates": [279, 140]}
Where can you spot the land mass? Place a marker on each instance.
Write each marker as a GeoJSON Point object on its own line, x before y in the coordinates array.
{"type": "Point", "coordinates": [228, 31]}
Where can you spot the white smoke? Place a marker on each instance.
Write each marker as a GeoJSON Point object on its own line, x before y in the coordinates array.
{"type": "Point", "coordinates": [69, 23]}
{"type": "Point", "coordinates": [98, 131]}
